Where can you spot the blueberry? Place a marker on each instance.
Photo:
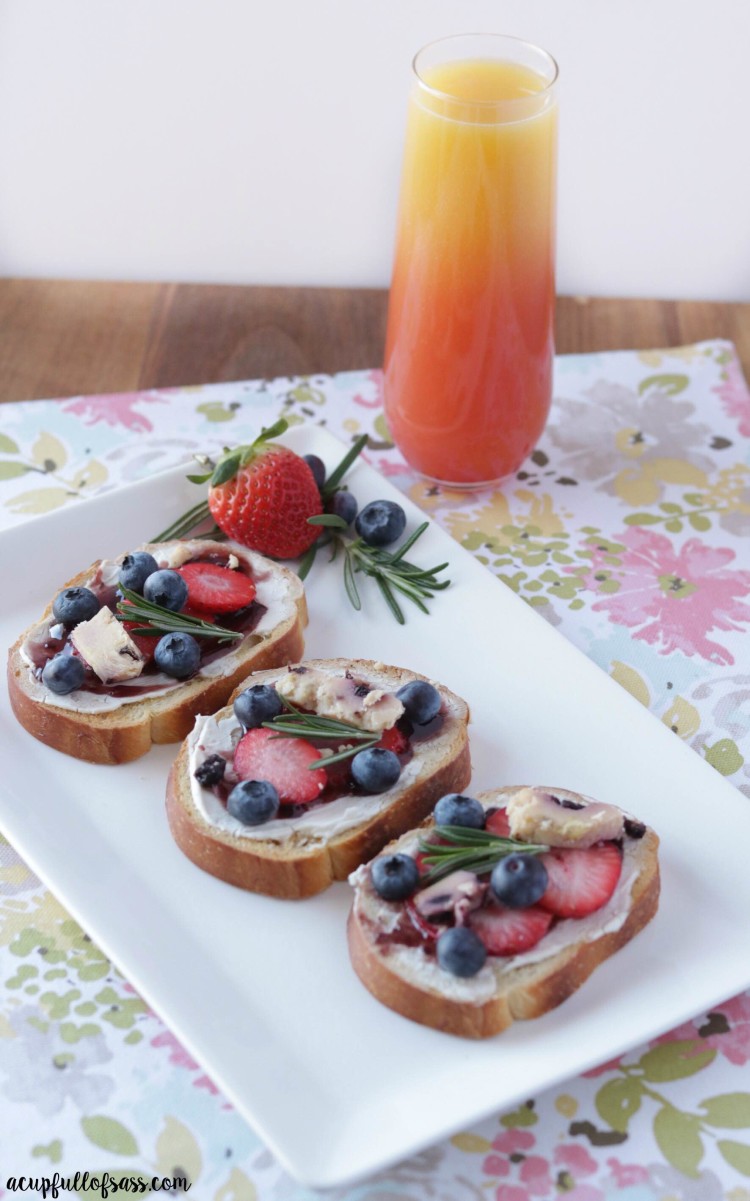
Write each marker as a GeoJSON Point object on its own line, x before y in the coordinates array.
{"type": "Point", "coordinates": [166, 588]}
{"type": "Point", "coordinates": [256, 705]}
{"type": "Point", "coordinates": [461, 952]}
{"type": "Point", "coordinates": [421, 701]}
{"type": "Point", "coordinates": [136, 569]}
{"type": "Point", "coordinates": [63, 674]}
{"type": "Point", "coordinates": [381, 522]}
{"type": "Point", "coordinates": [211, 771]}
{"type": "Point", "coordinates": [75, 604]}
{"type": "Point", "coordinates": [519, 881]}
{"type": "Point", "coordinates": [253, 802]}
{"type": "Point", "coordinates": [376, 769]}
{"type": "Point", "coordinates": [177, 655]}
{"type": "Point", "coordinates": [344, 505]}
{"type": "Point", "coordinates": [456, 810]}
{"type": "Point", "coordinates": [318, 468]}
{"type": "Point", "coordinates": [394, 877]}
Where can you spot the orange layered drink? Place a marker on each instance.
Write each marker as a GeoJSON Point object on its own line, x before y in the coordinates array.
{"type": "Point", "coordinates": [469, 352]}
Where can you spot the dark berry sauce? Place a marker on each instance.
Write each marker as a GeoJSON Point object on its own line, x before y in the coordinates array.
{"type": "Point", "coordinates": [340, 781]}
{"type": "Point", "coordinates": [57, 641]}
{"type": "Point", "coordinates": [411, 930]}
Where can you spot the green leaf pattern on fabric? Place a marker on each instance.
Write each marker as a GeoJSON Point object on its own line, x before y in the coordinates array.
{"type": "Point", "coordinates": [109, 1134]}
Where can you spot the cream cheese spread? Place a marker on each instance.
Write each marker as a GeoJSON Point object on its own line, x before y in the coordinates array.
{"type": "Point", "coordinates": [320, 823]}
{"type": "Point", "coordinates": [272, 590]}
{"type": "Point", "coordinates": [414, 963]}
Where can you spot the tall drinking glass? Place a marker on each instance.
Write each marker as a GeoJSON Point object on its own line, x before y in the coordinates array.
{"type": "Point", "coordinates": [469, 348]}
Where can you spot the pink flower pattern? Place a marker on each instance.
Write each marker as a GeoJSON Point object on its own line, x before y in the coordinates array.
{"type": "Point", "coordinates": [537, 1176]}
{"type": "Point", "coordinates": [115, 409]}
{"type": "Point", "coordinates": [390, 469]}
{"type": "Point", "coordinates": [610, 1066]}
{"type": "Point", "coordinates": [375, 401]}
{"type": "Point", "coordinates": [734, 1043]}
{"type": "Point", "coordinates": [625, 1175]}
{"type": "Point", "coordinates": [180, 1058]}
{"type": "Point", "coordinates": [735, 397]}
{"type": "Point", "coordinates": [672, 599]}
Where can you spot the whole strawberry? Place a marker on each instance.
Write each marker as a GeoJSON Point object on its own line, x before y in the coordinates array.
{"type": "Point", "coordinates": [262, 495]}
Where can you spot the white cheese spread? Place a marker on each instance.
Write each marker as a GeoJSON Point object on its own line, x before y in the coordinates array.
{"type": "Point", "coordinates": [414, 964]}
{"type": "Point", "coordinates": [321, 823]}
{"type": "Point", "coordinates": [272, 590]}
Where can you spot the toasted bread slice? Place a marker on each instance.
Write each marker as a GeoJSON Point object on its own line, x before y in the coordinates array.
{"type": "Point", "coordinates": [401, 969]}
{"type": "Point", "coordinates": [105, 726]}
{"type": "Point", "coordinates": [298, 856]}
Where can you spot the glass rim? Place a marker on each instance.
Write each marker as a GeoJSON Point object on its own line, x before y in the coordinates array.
{"type": "Point", "coordinates": [438, 93]}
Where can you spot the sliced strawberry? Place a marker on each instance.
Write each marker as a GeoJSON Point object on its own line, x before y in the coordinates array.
{"type": "Point", "coordinates": [497, 823]}
{"type": "Point", "coordinates": [283, 762]}
{"type": "Point", "coordinates": [421, 857]}
{"type": "Point", "coordinates": [339, 776]}
{"type": "Point", "coordinates": [145, 643]}
{"type": "Point", "coordinates": [394, 740]}
{"type": "Point", "coordinates": [580, 880]}
{"type": "Point", "coordinates": [510, 931]}
{"type": "Point", "coordinates": [216, 589]}
{"type": "Point", "coordinates": [426, 929]}
{"type": "Point", "coordinates": [421, 863]}
{"type": "Point", "coordinates": [201, 614]}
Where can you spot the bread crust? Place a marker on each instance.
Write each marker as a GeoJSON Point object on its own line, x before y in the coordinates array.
{"type": "Point", "coordinates": [291, 873]}
{"type": "Point", "coordinates": [525, 992]}
{"type": "Point", "coordinates": [123, 734]}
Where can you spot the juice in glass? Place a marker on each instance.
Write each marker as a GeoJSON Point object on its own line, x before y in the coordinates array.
{"type": "Point", "coordinates": [469, 349]}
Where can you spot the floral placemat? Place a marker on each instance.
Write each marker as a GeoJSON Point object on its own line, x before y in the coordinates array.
{"type": "Point", "coordinates": [628, 528]}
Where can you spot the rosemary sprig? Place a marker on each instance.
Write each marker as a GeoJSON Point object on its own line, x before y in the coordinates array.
{"type": "Point", "coordinates": [183, 525]}
{"type": "Point", "coordinates": [391, 571]}
{"type": "Point", "coordinates": [463, 849]}
{"type": "Point", "coordinates": [155, 620]}
{"type": "Point", "coordinates": [293, 723]}
{"type": "Point", "coordinates": [334, 479]}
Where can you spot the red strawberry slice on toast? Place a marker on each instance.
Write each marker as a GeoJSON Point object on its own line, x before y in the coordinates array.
{"type": "Point", "coordinates": [581, 880]}
{"type": "Point", "coordinates": [284, 762]}
{"type": "Point", "coordinates": [201, 614]}
{"type": "Point", "coordinates": [510, 931]}
{"type": "Point", "coordinates": [394, 740]}
{"type": "Point", "coordinates": [215, 589]}
{"type": "Point", "coordinates": [426, 928]}
{"type": "Point", "coordinates": [339, 776]}
{"type": "Point", "coordinates": [145, 643]}
{"type": "Point", "coordinates": [421, 863]}
{"type": "Point", "coordinates": [497, 823]}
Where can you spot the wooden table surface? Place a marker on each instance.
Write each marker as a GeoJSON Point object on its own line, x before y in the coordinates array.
{"type": "Point", "coordinates": [62, 338]}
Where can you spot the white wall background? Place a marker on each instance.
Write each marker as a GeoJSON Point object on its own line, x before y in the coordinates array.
{"type": "Point", "coordinates": [259, 141]}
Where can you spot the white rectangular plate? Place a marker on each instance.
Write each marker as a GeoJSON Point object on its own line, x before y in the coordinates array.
{"type": "Point", "coordinates": [261, 991]}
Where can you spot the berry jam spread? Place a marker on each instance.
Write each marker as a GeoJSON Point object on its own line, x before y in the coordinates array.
{"type": "Point", "coordinates": [411, 928]}
{"type": "Point", "coordinates": [57, 641]}
{"type": "Point", "coordinates": [340, 782]}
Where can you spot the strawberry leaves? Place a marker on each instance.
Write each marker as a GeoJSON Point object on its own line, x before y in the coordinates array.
{"type": "Point", "coordinates": [236, 457]}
